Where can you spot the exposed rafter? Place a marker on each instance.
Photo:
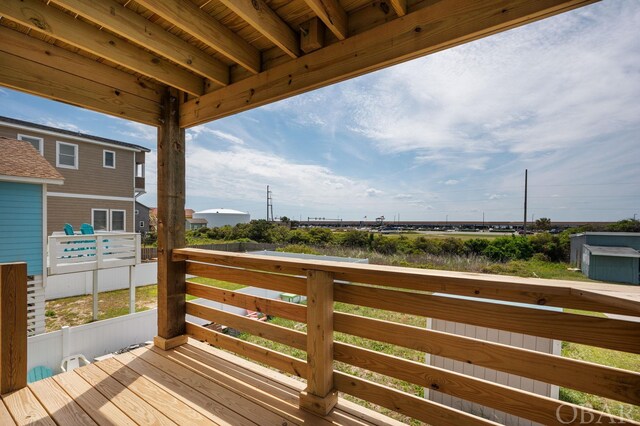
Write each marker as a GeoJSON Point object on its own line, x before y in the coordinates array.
{"type": "Point", "coordinates": [444, 24]}
{"type": "Point", "coordinates": [400, 6]}
{"type": "Point", "coordinates": [32, 77]}
{"type": "Point", "coordinates": [193, 20]}
{"type": "Point", "coordinates": [332, 14]}
{"type": "Point", "coordinates": [134, 27]}
{"type": "Point", "coordinates": [23, 46]}
{"type": "Point", "coordinates": [260, 16]}
{"type": "Point", "coordinates": [55, 23]}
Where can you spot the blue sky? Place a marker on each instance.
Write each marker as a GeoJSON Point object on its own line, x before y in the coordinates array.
{"type": "Point", "coordinates": [447, 135]}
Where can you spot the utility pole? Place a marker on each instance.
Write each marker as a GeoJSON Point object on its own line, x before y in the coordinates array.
{"type": "Point", "coordinates": [524, 224]}
{"type": "Point", "coordinates": [269, 205]}
{"type": "Point", "coordinates": [483, 221]}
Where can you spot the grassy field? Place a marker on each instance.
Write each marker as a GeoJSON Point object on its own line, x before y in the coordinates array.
{"type": "Point", "coordinates": [442, 235]}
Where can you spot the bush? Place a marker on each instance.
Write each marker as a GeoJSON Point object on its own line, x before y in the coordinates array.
{"type": "Point", "coordinates": [509, 248]}
{"type": "Point", "coordinates": [357, 239]}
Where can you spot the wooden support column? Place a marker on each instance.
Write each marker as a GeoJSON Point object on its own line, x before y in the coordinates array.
{"type": "Point", "coordinates": [13, 327]}
{"type": "Point", "coordinates": [171, 199]}
{"type": "Point", "coordinates": [320, 396]}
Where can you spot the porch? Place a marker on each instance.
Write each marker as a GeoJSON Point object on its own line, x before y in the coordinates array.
{"type": "Point", "coordinates": [192, 384]}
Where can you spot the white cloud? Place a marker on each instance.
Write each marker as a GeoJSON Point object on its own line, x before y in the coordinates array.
{"type": "Point", "coordinates": [451, 182]}
{"type": "Point", "coordinates": [61, 125]}
{"type": "Point", "coordinates": [139, 131]}
{"type": "Point", "coordinates": [204, 129]}
{"type": "Point", "coordinates": [372, 192]}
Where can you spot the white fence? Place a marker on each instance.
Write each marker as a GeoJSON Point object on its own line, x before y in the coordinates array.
{"type": "Point", "coordinates": [77, 253]}
{"type": "Point", "coordinates": [81, 283]}
{"type": "Point", "coordinates": [91, 340]}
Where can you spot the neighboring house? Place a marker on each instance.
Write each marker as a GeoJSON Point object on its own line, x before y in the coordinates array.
{"type": "Point", "coordinates": [102, 177]}
{"type": "Point", "coordinates": [192, 224]}
{"type": "Point", "coordinates": [24, 177]}
{"type": "Point", "coordinates": [607, 256]}
{"type": "Point", "coordinates": [142, 218]}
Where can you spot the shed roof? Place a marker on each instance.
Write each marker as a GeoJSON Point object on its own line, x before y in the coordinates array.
{"type": "Point", "coordinates": [609, 234]}
{"type": "Point", "coordinates": [197, 220]}
{"type": "Point", "coordinates": [21, 162]}
{"type": "Point", "coordinates": [612, 251]}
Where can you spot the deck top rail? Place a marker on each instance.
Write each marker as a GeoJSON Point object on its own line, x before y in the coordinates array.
{"type": "Point", "coordinates": [78, 253]}
{"type": "Point", "coordinates": [459, 297]}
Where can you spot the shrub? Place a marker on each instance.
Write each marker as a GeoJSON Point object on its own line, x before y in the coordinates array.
{"type": "Point", "coordinates": [509, 248]}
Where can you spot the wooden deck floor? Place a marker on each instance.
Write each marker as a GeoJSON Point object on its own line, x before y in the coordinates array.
{"type": "Point", "coordinates": [192, 384]}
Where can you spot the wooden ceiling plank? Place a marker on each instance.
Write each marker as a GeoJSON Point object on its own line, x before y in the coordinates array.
{"type": "Point", "coordinates": [260, 16]}
{"type": "Point", "coordinates": [332, 14]}
{"type": "Point", "coordinates": [55, 23]}
{"type": "Point", "coordinates": [436, 27]}
{"type": "Point", "coordinates": [400, 6]}
{"type": "Point", "coordinates": [128, 24]}
{"type": "Point", "coordinates": [36, 50]}
{"type": "Point", "coordinates": [193, 20]}
{"type": "Point", "coordinates": [51, 83]}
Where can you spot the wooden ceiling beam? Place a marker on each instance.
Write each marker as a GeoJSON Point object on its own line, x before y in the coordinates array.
{"type": "Point", "coordinates": [194, 21]}
{"type": "Point", "coordinates": [260, 16]}
{"type": "Point", "coordinates": [435, 27]}
{"type": "Point", "coordinates": [332, 14]}
{"type": "Point", "coordinates": [51, 83]}
{"type": "Point", "coordinates": [33, 49]}
{"type": "Point", "coordinates": [57, 24]}
{"type": "Point", "coordinates": [400, 6]}
{"type": "Point", "coordinates": [128, 24]}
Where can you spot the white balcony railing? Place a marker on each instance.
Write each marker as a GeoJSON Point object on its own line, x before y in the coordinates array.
{"type": "Point", "coordinates": [77, 253]}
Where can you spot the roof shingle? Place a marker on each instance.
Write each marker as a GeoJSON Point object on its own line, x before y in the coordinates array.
{"type": "Point", "coordinates": [20, 159]}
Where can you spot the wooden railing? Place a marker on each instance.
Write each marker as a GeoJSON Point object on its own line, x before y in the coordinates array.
{"type": "Point", "coordinates": [411, 291]}
{"type": "Point", "coordinates": [77, 253]}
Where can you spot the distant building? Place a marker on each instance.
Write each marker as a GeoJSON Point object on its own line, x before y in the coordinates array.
{"type": "Point", "coordinates": [608, 256]}
{"type": "Point", "coordinates": [142, 218]}
{"type": "Point", "coordinates": [192, 224]}
{"type": "Point", "coordinates": [220, 217]}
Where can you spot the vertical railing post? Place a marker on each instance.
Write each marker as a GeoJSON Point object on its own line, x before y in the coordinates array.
{"type": "Point", "coordinates": [13, 326]}
{"type": "Point", "coordinates": [171, 224]}
{"type": "Point", "coordinates": [319, 396]}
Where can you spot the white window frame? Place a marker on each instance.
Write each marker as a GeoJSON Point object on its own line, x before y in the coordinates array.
{"type": "Point", "coordinates": [75, 150]}
{"type": "Point", "coordinates": [142, 170]}
{"type": "Point", "coordinates": [93, 223]}
{"type": "Point", "coordinates": [40, 146]}
{"type": "Point", "coordinates": [104, 159]}
{"type": "Point", "coordinates": [124, 220]}
{"type": "Point", "coordinates": [142, 224]}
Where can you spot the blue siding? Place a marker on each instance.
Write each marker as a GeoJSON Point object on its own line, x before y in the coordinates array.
{"type": "Point", "coordinates": [21, 225]}
{"type": "Point", "coordinates": [614, 269]}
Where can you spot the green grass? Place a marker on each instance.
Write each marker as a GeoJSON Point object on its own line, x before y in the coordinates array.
{"type": "Point", "coordinates": [536, 269]}
{"type": "Point", "coordinates": [444, 235]}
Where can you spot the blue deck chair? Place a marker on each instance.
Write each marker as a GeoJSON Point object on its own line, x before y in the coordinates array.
{"type": "Point", "coordinates": [86, 229]}
{"type": "Point", "coordinates": [38, 373]}
{"type": "Point", "coordinates": [68, 229]}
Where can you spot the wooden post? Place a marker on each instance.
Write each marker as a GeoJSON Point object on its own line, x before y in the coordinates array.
{"type": "Point", "coordinates": [171, 190]}
{"type": "Point", "coordinates": [13, 327]}
{"type": "Point", "coordinates": [320, 396]}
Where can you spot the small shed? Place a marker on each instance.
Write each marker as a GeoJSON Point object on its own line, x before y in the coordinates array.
{"type": "Point", "coordinates": [24, 176]}
{"type": "Point", "coordinates": [195, 223]}
{"type": "Point", "coordinates": [613, 264]}
{"type": "Point", "coordinates": [605, 239]}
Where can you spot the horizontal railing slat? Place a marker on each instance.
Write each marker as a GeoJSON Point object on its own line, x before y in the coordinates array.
{"type": "Point", "coordinates": [596, 331]}
{"type": "Point", "coordinates": [273, 332]}
{"type": "Point", "coordinates": [257, 353]}
{"type": "Point", "coordinates": [270, 281]}
{"type": "Point", "coordinates": [271, 307]}
{"type": "Point", "coordinates": [419, 408]}
{"type": "Point", "coordinates": [614, 383]}
{"type": "Point", "coordinates": [504, 398]}
{"type": "Point", "coordinates": [535, 291]}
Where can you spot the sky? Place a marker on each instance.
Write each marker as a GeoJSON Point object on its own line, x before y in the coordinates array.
{"type": "Point", "coordinates": [444, 137]}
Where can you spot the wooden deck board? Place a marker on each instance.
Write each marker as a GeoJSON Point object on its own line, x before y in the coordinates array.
{"type": "Point", "coordinates": [60, 406]}
{"type": "Point", "coordinates": [192, 384]}
{"type": "Point", "coordinates": [5, 417]}
{"type": "Point", "coordinates": [26, 409]}
{"type": "Point", "coordinates": [96, 405]}
{"type": "Point", "coordinates": [156, 394]}
{"type": "Point", "coordinates": [137, 408]}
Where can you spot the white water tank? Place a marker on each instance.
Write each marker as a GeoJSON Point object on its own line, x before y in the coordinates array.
{"type": "Point", "coordinates": [221, 217]}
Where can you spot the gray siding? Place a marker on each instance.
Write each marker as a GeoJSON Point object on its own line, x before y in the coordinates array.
{"type": "Point", "coordinates": [142, 216]}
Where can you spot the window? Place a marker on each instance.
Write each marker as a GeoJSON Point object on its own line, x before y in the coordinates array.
{"type": "Point", "coordinates": [117, 220]}
{"type": "Point", "coordinates": [36, 142]}
{"type": "Point", "coordinates": [142, 224]}
{"type": "Point", "coordinates": [66, 155]}
{"type": "Point", "coordinates": [140, 170]}
{"type": "Point", "coordinates": [99, 219]}
{"type": "Point", "coordinates": [109, 159]}
{"type": "Point", "coordinates": [137, 212]}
